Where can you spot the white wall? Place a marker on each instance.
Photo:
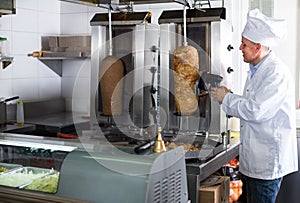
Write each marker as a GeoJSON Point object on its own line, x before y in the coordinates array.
{"type": "Point", "coordinates": [26, 76]}
{"type": "Point", "coordinates": [75, 20]}
{"type": "Point", "coordinates": [288, 50]}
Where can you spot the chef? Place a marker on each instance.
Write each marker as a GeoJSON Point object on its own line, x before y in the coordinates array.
{"type": "Point", "coordinates": [268, 148]}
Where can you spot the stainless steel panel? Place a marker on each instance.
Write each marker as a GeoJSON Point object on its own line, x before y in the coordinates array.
{"type": "Point", "coordinates": [128, 19]}
{"type": "Point", "coordinates": [221, 59]}
{"type": "Point", "coordinates": [97, 55]}
{"type": "Point", "coordinates": [93, 2]}
{"type": "Point", "coordinates": [133, 45]}
{"type": "Point", "coordinates": [193, 15]}
{"type": "Point", "coordinates": [126, 2]}
{"type": "Point", "coordinates": [7, 7]}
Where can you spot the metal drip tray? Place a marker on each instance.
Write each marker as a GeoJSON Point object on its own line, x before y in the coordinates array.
{"type": "Point", "coordinates": [209, 149]}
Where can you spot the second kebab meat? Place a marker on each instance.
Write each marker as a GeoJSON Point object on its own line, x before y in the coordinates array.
{"type": "Point", "coordinates": [186, 67]}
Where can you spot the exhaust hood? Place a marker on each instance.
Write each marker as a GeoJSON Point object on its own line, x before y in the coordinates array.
{"type": "Point", "coordinates": [93, 2]}
{"type": "Point", "coordinates": [193, 15]}
{"type": "Point", "coordinates": [128, 2]}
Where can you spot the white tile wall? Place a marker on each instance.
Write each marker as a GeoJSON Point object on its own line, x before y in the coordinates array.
{"type": "Point", "coordinates": [5, 22]}
{"type": "Point", "coordinates": [27, 4]}
{"type": "Point", "coordinates": [67, 86]}
{"type": "Point", "coordinates": [6, 88]}
{"type": "Point", "coordinates": [24, 42]}
{"type": "Point", "coordinates": [5, 74]}
{"type": "Point", "coordinates": [75, 20]}
{"type": "Point", "coordinates": [27, 76]}
{"type": "Point", "coordinates": [48, 6]}
{"type": "Point", "coordinates": [80, 89]}
{"type": "Point", "coordinates": [25, 20]}
{"type": "Point", "coordinates": [44, 26]}
{"type": "Point", "coordinates": [26, 88]}
{"type": "Point", "coordinates": [76, 68]}
{"type": "Point", "coordinates": [73, 8]}
{"type": "Point", "coordinates": [74, 23]}
{"type": "Point", "coordinates": [49, 88]}
{"type": "Point", "coordinates": [25, 67]}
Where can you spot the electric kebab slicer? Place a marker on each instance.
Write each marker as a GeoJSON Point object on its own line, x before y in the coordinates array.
{"type": "Point", "coordinates": [211, 80]}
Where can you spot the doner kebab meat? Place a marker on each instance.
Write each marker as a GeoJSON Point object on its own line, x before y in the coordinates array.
{"type": "Point", "coordinates": [186, 67]}
{"type": "Point", "coordinates": [111, 73]}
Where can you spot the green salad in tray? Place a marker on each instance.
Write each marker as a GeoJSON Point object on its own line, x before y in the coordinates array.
{"type": "Point", "coordinates": [3, 169]}
{"type": "Point", "coordinates": [30, 178]}
{"type": "Point", "coordinates": [46, 184]}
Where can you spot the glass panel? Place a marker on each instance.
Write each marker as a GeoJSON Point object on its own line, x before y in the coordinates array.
{"type": "Point", "coordinates": [31, 166]}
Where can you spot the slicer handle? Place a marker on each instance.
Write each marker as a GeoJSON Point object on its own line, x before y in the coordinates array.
{"type": "Point", "coordinates": [143, 147]}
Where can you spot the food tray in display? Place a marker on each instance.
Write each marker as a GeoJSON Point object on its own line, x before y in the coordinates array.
{"type": "Point", "coordinates": [209, 148]}
{"type": "Point", "coordinates": [47, 184]}
{"type": "Point", "coordinates": [8, 167]}
{"type": "Point", "coordinates": [23, 176]}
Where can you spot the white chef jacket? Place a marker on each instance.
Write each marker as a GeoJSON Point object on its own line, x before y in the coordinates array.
{"type": "Point", "coordinates": [268, 147]}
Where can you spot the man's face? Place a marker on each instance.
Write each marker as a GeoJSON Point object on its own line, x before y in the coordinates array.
{"type": "Point", "coordinates": [249, 50]}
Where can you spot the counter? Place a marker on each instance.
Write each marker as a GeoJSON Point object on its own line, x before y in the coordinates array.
{"type": "Point", "coordinates": [59, 122]}
{"type": "Point", "coordinates": [194, 173]}
{"type": "Point", "coordinates": [197, 172]}
{"type": "Point", "coordinates": [17, 129]}
{"type": "Point", "coordinates": [49, 118]}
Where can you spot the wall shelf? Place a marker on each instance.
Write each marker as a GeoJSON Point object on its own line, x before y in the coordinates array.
{"type": "Point", "coordinates": [56, 49]}
{"type": "Point", "coordinates": [6, 61]}
{"type": "Point", "coordinates": [55, 63]}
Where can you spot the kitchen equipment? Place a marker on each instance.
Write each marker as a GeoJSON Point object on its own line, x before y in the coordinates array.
{"type": "Point", "coordinates": [207, 32]}
{"type": "Point", "coordinates": [95, 172]}
{"type": "Point", "coordinates": [20, 113]}
{"type": "Point", "coordinates": [3, 46]}
{"type": "Point", "coordinates": [145, 115]}
{"type": "Point", "coordinates": [159, 145]}
{"type": "Point", "coordinates": [133, 39]}
{"type": "Point", "coordinates": [8, 167]}
{"type": "Point", "coordinates": [3, 113]}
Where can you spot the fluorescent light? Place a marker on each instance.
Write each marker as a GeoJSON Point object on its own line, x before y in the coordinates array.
{"type": "Point", "coordinates": [38, 145]}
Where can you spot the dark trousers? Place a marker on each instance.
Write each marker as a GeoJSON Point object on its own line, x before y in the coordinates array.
{"type": "Point", "coordinates": [261, 191]}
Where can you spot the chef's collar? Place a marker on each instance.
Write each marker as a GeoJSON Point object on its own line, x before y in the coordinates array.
{"type": "Point", "coordinates": [253, 68]}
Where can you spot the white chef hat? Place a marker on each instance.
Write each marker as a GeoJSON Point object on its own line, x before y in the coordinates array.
{"type": "Point", "coordinates": [264, 30]}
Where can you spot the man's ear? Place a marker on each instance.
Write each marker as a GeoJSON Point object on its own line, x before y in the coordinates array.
{"type": "Point", "coordinates": [258, 46]}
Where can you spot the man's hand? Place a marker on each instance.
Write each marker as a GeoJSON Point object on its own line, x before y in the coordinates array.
{"type": "Point", "coordinates": [218, 93]}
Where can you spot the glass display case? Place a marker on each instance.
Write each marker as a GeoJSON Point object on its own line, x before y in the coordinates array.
{"type": "Point", "coordinates": [40, 169]}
